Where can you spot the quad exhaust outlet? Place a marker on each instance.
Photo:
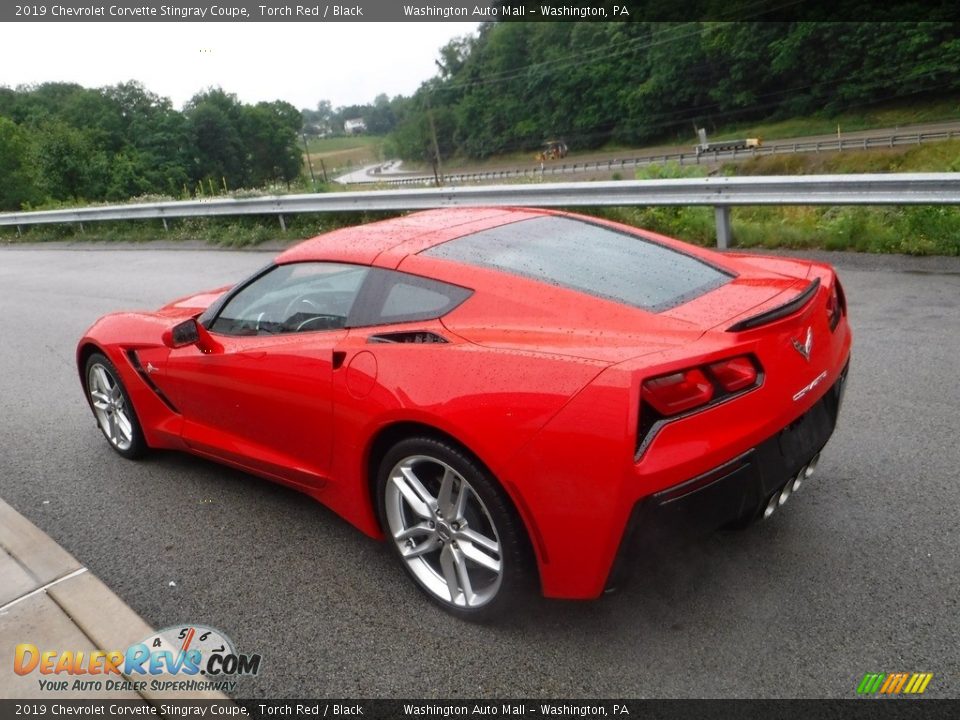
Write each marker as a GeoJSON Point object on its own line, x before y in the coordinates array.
{"type": "Point", "coordinates": [780, 497]}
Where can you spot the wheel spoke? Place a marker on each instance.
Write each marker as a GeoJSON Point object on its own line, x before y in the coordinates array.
{"type": "Point", "coordinates": [474, 553]}
{"type": "Point", "coordinates": [100, 400]}
{"type": "Point", "coordinates": [461, 505]}
{"type": "Point", "coordinates": [476, 538]}
{"type": "Point", "coordinates": [413, 491]}
{"type": "Point", "coordinates": [448, 565]}
{"type": "Point", "coordinates": [111, 429]}
{"type": "Point", "coordinates": [444, 497]}
{"type": "Point", "coordinates": [123, 425]}
{"type": "Point", "coordinates": [463, 575]}
{"type": "Point", "coordinates": [103, 380]}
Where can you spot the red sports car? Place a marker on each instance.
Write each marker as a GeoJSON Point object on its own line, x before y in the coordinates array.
{"type": "Point", "coordinates": [511, 397]}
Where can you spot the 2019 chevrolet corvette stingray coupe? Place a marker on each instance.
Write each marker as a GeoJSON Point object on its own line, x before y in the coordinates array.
{"type": "Point", "coordinates": [511, 397]}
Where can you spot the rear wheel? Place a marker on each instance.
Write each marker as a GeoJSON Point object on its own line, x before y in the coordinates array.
{"type": "Point", "coordinates": [112, 407]}
{"type": "Point", "coordinates": [452, 527]}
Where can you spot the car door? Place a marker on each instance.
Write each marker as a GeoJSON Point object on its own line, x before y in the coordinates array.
{"type": "Point", "coordinates": [259, 394]}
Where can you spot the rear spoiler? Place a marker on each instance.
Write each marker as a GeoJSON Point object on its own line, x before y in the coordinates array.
{"type": "Point", "coordinates": [788, 308]}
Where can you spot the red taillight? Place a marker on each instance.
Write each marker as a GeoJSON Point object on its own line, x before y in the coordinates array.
{"type": "Point", "coordinates": [734, 374]}
{"type": "Point", "coordinates": [834, 307]}
{"type": "Point", "coordinates": [678, 392]}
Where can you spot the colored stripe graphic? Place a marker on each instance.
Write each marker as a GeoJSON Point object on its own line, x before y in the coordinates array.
{"type": "Point", "coordinates": [894, 683]}
{"type": "Point", "coordinates": [920, 682]}
{"type": "Point", "coordinates": [870, 683]}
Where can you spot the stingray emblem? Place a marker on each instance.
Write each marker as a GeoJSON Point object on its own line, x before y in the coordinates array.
{"type": "Point", "coordinates": [804, 348]}
{"type": "Point", "coordinates": [151, 369]}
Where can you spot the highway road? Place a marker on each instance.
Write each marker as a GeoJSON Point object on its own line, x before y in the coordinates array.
{"type": "Point", "coordinates": [857, 574]}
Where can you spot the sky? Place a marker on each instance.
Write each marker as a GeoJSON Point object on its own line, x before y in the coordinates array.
{"type": "Point", "coordinates": [302, 63]}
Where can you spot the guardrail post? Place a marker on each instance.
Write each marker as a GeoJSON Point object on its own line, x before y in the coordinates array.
{"type": "Point", "coordinates": [283, 225]}
{"type": "Point", "coordinates": [724, 235]}
{"type": "Point", "coordinates": [165, 228]}
{"type": "Point", "coordinates": [81, 229]}
{"type": "Point", "coordinates": [19, 234]}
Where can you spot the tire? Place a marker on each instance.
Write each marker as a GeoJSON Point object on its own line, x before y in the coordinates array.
{"type": "Point", "coordinates": [451, 526]}
{"type": "Point", "coordinates": [111, 405]}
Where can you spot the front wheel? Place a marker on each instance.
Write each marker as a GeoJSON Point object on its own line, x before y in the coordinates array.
{"type": "Point", "coordinates": [112, 407]}
{"type": "Point", "coordinates": [452, 527]}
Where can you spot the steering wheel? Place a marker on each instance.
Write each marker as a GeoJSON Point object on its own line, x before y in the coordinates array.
{"type": "Point", "coordinates": [304, 299]}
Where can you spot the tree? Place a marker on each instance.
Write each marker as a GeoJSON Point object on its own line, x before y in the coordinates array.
{"type": "Point", "coordinates": [270, 135]}
{"type": "Point", "coordinates": [18, 184]}
{"type": "Point", "coordinates": [214, 126]}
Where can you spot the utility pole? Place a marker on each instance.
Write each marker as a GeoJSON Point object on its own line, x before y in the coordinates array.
{"type": "Point", "coordinates": [437, 168]}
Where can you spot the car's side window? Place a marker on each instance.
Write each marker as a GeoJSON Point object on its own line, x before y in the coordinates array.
{"type": "Point", "coordinates": [300, 297]}
{"type": "Point", "coordinates": [401, 297]}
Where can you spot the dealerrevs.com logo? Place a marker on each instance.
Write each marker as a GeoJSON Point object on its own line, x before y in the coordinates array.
{"type": "Point", "coordinates": [182, 657]}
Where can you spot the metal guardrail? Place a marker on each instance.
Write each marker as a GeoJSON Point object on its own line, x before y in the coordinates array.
{"type": "Point", "coordinates": [554, 168]}
{"type": "Point", "coordinates": [721, 193]}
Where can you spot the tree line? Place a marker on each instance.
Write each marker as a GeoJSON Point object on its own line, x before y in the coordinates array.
{"type": "Point", "coordinates": [515, 85]}
{"type": "Point", "coordinates": [509, 88]}
{"type": "Point", "coordinates": [64, 142]}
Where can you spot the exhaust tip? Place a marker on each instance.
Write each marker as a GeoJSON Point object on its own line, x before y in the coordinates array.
{"type": "Point", "coordinates": [798, 480]}
{"type": "Point", "coordinates": [771, 506]}
{"type": "Point", "coordinates": [812, 466]}
{"type": "Point", "coordinates": [784, 493]}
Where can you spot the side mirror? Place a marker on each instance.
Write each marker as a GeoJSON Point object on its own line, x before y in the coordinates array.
{"type": "Point", "coordinates": [190, 332]}
{"type": "Point", "coordinates": [186, 333]}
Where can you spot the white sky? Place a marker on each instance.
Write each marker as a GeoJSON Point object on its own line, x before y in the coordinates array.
{"type": "Point", "coordinates": [302, 63]}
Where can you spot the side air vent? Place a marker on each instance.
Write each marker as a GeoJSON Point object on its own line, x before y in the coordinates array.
{"type": "Point", "coordinates": [135, 361]}
{"type": "Point", "coordinates": [415, 337]}
{"type": "Point", "coordinates": [778, 312]}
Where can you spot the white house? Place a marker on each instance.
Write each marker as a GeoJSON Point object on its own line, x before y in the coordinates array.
{"type": "Point", "coordinates": [356, 125]}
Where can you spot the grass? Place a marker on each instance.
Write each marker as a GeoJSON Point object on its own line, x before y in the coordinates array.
{"type": "Point", "coordinates": [344, 153]}
{"type": "Point", "coordinates": [867, 118]}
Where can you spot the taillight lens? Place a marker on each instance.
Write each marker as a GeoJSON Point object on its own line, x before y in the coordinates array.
{"type": "Point", "coordinates": [833, 309]}
{"type": "Point", "coordinates": [678, 392]}
{"type": "Point", "coordinates": [667, 396]}
{"type": "Point", "coordinates": [734, 374]}
{"type": "Point", "coordinates": [836, 304]}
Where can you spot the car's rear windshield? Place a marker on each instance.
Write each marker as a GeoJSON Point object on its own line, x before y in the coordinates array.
{"type": "Point", "coordinates": [589, 258]}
